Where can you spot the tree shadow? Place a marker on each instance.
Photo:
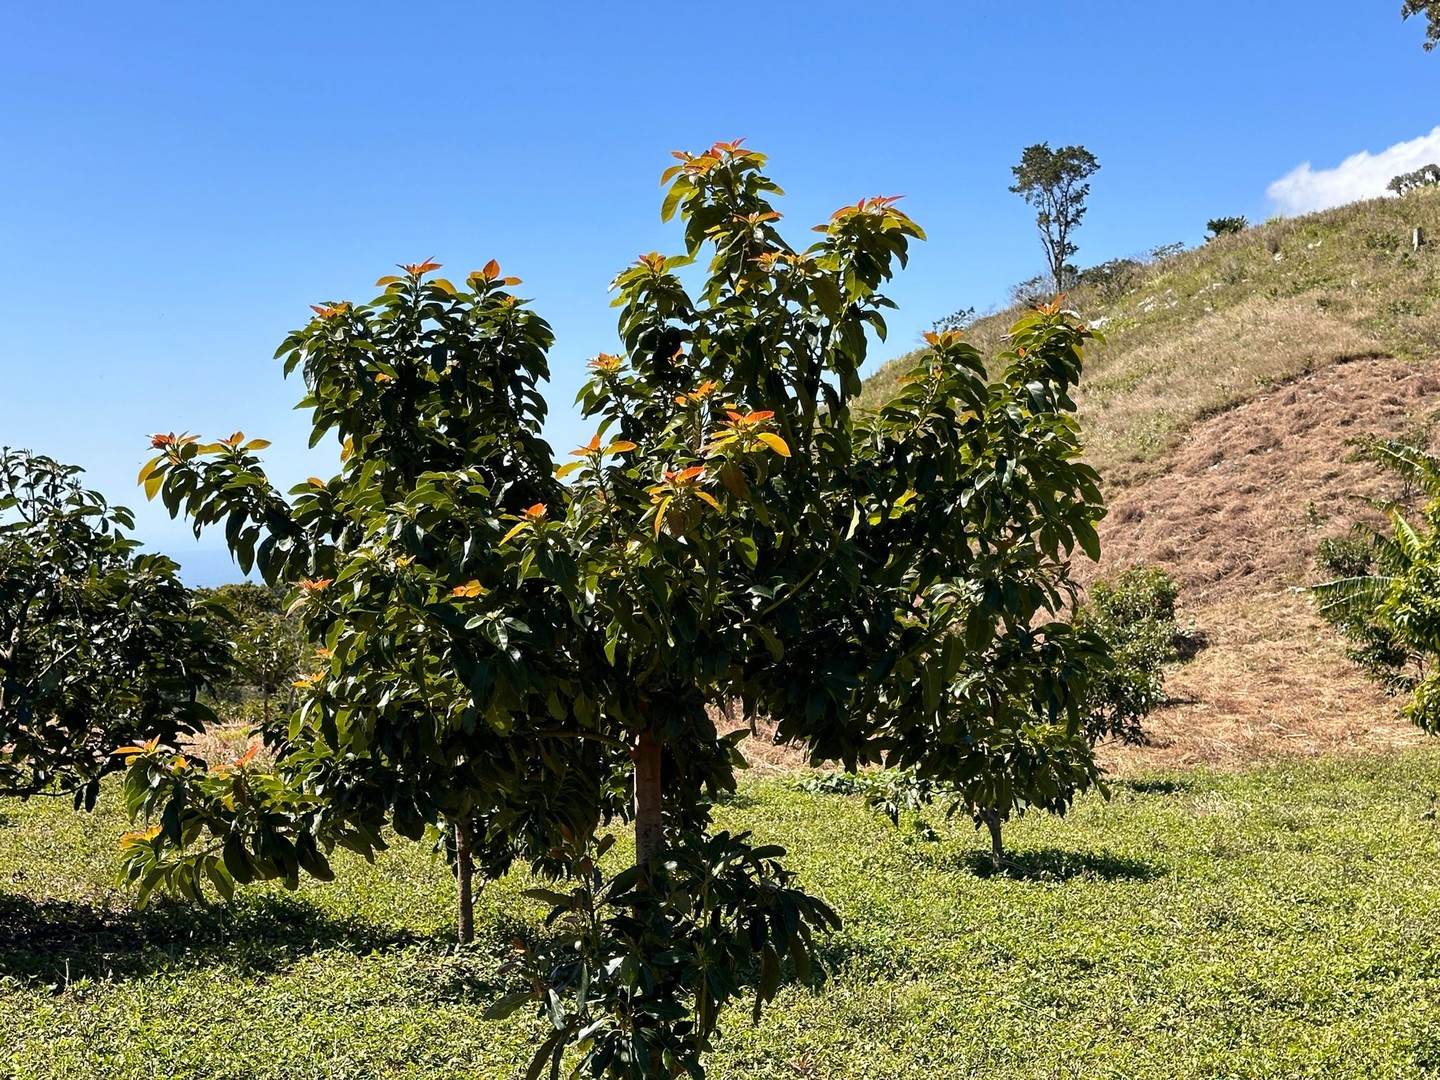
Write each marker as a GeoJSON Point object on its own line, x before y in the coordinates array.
{"type": "Point", "coordinates": [1157, 786]}
{"type": "Point", "coordinates": [1058, 864]}
{"type": "Point", "coordinates": [55, 942]}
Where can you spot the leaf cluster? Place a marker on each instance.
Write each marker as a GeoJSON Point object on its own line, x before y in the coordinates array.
{"type": "Point", "coordinates": [632, 980]}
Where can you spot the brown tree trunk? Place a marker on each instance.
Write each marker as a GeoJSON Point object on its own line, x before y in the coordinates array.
{"type": "Point", "coordinates": [465, 879]}
{"type": "Point", "coordinates": [991, 818]}
{"type": "Point", "coordinates": [649, 823]}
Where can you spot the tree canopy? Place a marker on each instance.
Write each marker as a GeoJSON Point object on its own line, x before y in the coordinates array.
{"type": "Point", "coordinates": [1053, 181]}
{"type": "Point", "coordinates": [100, 644]}
{"type": "Point", "coordinates": [1431, 10]}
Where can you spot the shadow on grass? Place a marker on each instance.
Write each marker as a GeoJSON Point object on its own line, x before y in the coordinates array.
{"type": "Point", "coordinates": [1058, 864]}
{"type": "Point", "coordinates": [1158, 787]}
{"type": "Point", "coordinates": [58, 941]}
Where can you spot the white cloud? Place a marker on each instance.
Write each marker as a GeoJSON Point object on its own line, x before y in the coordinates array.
{"type": "Point", "coordinates": [1360, 176]}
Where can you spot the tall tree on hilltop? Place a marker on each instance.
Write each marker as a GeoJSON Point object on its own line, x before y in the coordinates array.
{"type": "Point", "coordinates": [1053, 181]}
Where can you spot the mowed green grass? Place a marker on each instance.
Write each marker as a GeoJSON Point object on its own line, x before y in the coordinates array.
{"type": "Point", "coordinates": [1284, 922]}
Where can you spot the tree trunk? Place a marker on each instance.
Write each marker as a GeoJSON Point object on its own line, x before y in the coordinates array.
{"type": "Point", "coordinates": [991, 818]}
{"type": "Point", "coordinates": [465, 879]}
{"type": "Point", "coordinates": [649, 824]}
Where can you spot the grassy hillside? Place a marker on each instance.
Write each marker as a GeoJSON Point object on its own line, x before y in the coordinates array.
{"type": "Point", "coordinates": [1209, 328]}
{"type": "Point", "coordinates": [1277, 922]}
{"type": "Point", "coordinates": [1217, 411]}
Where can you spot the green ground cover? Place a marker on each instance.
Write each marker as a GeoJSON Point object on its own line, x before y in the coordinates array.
{"type": "Point", "coordinates": [1280, 922]}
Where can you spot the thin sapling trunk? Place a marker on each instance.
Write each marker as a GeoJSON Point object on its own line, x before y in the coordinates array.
{"type": "Point", "coordinates": [465, 880]}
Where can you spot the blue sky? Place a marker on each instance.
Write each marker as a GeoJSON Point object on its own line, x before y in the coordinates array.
{"type": "Point", "coordinates": [178, 181]}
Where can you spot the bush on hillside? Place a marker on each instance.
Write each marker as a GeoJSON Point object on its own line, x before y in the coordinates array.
{"type": "Point", "coordinates": [1384, 592]}
{"type": "Point", "coordinates": [956, 320]}
{"type": "Point", "coordinates": [1135, 614]}
{"type": "Point", "coordinates": [1425, 176]}
{"type": "Point", "coordinates": [1113, 279]}
{"type": "Point", "coordinates": [1223, 226]}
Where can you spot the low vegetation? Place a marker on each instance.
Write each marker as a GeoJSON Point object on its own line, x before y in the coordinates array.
{"type": "Point", "coordinates": [1274, 922]}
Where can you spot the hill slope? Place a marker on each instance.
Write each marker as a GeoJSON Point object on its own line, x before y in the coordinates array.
{"type": "Point", "coordinates": [1217, 412]}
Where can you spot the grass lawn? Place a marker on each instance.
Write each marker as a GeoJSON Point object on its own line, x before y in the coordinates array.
{"type": "Point", "coordinates": [1282, 922]}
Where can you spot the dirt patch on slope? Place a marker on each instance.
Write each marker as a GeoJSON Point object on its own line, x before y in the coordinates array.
{"type": "Point", "coordinates": [1276, 683]}
{"type": "Point", "coordinates": [1252, 491]}
{"type": "Point", "coordinates": [1236, 518]}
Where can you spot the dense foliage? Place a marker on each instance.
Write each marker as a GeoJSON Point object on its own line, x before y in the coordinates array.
{"type": "Point", "coordinates": [1224, 226]}
{"type": "Point", "coordinates": [524, 659]}
{"type": "Point", "coordinates": [1431, 10]}
{"type": "Point", "coordinates": [99, 644]}
{"type": "Point", "coordinates": [267, 649]}
{"type": "Point", "coordinates": [1135, 615]}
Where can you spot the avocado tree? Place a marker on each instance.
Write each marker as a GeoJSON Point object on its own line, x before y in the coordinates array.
{"type": "Point", "coordinates": [533, 648]}
{"type": "Point", "coordinates": [99, 643]}
{"type": "Point", "coordinates": [267, 650]}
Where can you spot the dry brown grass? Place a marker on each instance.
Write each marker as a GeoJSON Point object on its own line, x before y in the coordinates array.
{"type": "Point", "coordinates": [765, 756]}
{"type": "Point", "coordinates": [222, 743]}
{"type": "Point", "coordinates": [1236, 518]}
{"type": "Point", "coordinates": [1137, 403]}
{"type": "Point", "coordinates": [1251, 492]}
{"type": "Point", "coordinates": [1275, 683]}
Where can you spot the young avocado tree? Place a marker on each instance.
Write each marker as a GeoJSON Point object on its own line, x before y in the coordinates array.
{"type": "Point", "coordinates": [99, 644]}
{"type": "Point", "coordinates": [445, 693]}
{"type": "Point", "coordinates": [537, 655]}
{"type": "Point", "coordinates": [266, 647]}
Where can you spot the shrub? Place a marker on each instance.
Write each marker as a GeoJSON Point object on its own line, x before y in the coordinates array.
{"type": "Point", "coordinates": [956, 320]}
{"type": "Point", "coordinates": [1344, 556]}
{"type": "Point", "coordinates": [1382, 595]}
{"type": "Point", "coordinates": [1111, 280]}
{"type": "Point", "coordinates": [1223, 226]}
{"type": "Point", "coordinates": [1405, 183]}
{"type": "Point", "coordinates": [1135, 614]}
